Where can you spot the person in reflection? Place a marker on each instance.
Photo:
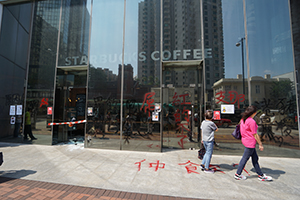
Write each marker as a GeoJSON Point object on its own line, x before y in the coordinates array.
{"type": "Point", "coordinates": [177, 120]}
{"type": "Point", "coordinates": [27, 130]}
{"type": "Point", "coordinates": [108, 120]}
{"type": "Point", "coordinates": [208, 128]}
{"type": "Point", "coordinates": [190, 126]}
{"type": "Point", "coordinates": [18, 126]}
{"type": "Point", "coordinates": [248, 128]}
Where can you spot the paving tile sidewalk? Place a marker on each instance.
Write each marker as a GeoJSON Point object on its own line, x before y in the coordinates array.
{"type": "Point", "coordinates": [170, 174]}
{"type": "Point", "coordinates": [27, 189]}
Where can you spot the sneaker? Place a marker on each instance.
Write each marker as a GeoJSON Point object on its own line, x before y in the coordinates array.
{"type": "Point", "coordinates": [265, 178]}
{"type": "Point", "coordinates": [240, 177]}
{"type": "Point", "coordinates": [202, 167]}
{"type": "Point", "coordinates": [209, 171]}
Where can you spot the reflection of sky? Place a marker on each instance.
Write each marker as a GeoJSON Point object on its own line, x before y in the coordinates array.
{"type": "Point", "coordinates": [106, 37]}
{"type": "Point", "coordinates": [269, 37]}
{"type": "Point", "coordinates": [107, 34]}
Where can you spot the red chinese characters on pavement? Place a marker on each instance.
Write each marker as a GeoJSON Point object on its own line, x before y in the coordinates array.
{"type": "Point", "coordinates": [233, 97]}
{"type": "Point", "coordinates": [156, 165]}
{"type": "Point", "coordinates": [148, 103]}
{"type": "Point", "coordinates": [190, 167]}
{"type": "Point", "coordinates": [139, 164]}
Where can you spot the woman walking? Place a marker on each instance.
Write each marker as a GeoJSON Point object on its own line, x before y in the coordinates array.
{"type": "Point", "coordinates": [208, 128]}
{"type": "Point", "coordinates": [248, 128]}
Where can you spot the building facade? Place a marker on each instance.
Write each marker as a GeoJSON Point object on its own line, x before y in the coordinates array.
{"type": "Point", "coordinates": [138, 75]}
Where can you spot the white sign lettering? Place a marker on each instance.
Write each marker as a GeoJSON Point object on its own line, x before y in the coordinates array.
{"type": "Point", "coordinates": [141, 56]}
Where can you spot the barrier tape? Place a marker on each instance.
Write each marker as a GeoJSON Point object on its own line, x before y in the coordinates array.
{"type": "Point", "coordinates": [62, 123]}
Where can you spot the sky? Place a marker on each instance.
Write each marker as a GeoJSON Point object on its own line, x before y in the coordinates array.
{"type": "Point", "coordinates": [268, 30]}
{"type": "Point", "coordinates": [269, 37]}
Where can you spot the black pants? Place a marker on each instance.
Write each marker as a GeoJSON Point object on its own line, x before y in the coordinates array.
{"type": "Point", "coordinates": [28, 131]}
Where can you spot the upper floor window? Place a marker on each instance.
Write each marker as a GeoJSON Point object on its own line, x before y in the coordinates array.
{"type": "Point", "coordinates": [257, 89]}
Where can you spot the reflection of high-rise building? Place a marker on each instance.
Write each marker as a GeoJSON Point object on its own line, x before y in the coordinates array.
{"type": "Point", "coordinates": [74, 31]}
{"type": "Point", "coordinates": [73, 38]}
{"type": "Point", "coordinates": [181, 36]}
{"type": "Point", "coordinates": [148, 39]}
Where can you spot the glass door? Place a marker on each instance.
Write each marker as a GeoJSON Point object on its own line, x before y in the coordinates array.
{"type": "Point", "coordinates": [70, 103]}
{"type": "Point", "coordinates": [182, 102]}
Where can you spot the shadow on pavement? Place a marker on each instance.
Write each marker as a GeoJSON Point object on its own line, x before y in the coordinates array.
{"type": "Point", "coordinates": [16, 173]}
{"type": "Point", "coordinates": [271, 172]}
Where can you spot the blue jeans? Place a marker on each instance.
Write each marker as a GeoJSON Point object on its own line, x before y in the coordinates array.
{"type": "Point", "coordinates": [249, 152]}
{"type": "Point", "coordinates": [209, 146]}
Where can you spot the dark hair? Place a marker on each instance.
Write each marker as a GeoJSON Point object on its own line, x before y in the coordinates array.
{"type": "Point", "coordinates": [208, 114]}
{"type": "Point", "coordinates": [248, 112]}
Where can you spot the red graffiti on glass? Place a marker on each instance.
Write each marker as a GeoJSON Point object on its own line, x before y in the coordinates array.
{"type": "Point", "coordinates": [147, 100]}
{"type": "Point", "coordinates": [183, 96]}
{"type": "Point", "coordinates": [186, 114]}
{"type": "Point", "coordinates": [183, 126]}
{"type": "Point", "coordinates": [233, 97]}
{"type": "Point", "coordinates": [139, 164]}
{"type": "Point", "coordinates": [44, 102]}
{"type": "Point", "coordinates": [157, 165]}
{"type": "Point", "coordinates": [176, 100]}
{"type": "Point", "coordinates": [190, 167]}
{"type": "Point", "coordinates": [181, 142]}
{"type": "Point", "coordinates": [177, 116]}
{"type": "Point", "coordinates": [150, 145]}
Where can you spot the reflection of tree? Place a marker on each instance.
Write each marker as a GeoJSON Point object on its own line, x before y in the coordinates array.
{"type": "Point", "coordinates": [144, 79]}
{"type": "Point", "coordinates": [281, 89]}
{"type": "Point", "coordinates": [97, 78]}
{"type": "Point", "coordinates": [150, 80]}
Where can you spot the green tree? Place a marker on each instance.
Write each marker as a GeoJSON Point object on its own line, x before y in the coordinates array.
{"type": "Point", "coordinates": [281, 89]}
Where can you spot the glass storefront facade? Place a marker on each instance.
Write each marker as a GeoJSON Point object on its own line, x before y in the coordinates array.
{"type": "Point", "coordinates": [139, 74]}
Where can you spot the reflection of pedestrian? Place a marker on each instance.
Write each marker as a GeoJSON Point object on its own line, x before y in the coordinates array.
{"type": "Point", "coordinates": [108, 120]}
{"type": "Point", "coordinates": [208, 128]}
{"type": "Point", "coordinates": [28, 130]}
{"type": "Point", "coordinates": [138, 122]}
{"type": "Point", "coordinates": [248, 128]}
{"type": "Point", "coordinates": [177, 120]}
{"type": "Point", "coordinates": [18, 126]}
{"type": "Point", "coordinates": [190, 126]}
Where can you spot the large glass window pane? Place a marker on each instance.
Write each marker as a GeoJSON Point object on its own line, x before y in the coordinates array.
{"type": "Point", "coordinates": [104, 89]}
{"type": "Point", "coordinates": [41, 73]}
{"type": "Point", "coordinates": [259, 68]}
{"type": "Point", "coordinates": [141, 85]}
{"type": "Point", "coordinates": [71, 73]}
{"type": "Point", "coordinates": [14, 44]}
